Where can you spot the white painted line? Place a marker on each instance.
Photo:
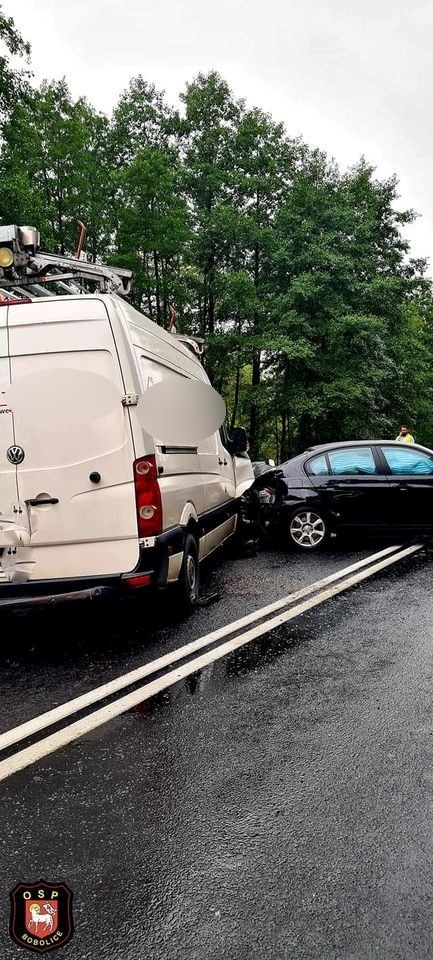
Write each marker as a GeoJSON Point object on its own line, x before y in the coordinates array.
{"type": "Point", "coordinates": [30, 755]}
{"type": "Point", "coordinates": [119, 683]}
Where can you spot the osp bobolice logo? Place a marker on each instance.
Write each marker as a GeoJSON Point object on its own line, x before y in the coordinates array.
{"type": "Point", "coordinates": [41, 915]}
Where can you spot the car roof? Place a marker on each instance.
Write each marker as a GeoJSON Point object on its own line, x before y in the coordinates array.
{"type": "Point", "coordinates": [360, 443]}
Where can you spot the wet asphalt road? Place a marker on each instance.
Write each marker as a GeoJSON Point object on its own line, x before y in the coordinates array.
{"type": "Point", "coordinates": [277, 805]}
{"type": "Point", "coordinates": [52, 659]}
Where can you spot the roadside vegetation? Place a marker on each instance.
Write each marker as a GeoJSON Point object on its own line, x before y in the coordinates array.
{"type": "Point", "coordinates": [318, 323]}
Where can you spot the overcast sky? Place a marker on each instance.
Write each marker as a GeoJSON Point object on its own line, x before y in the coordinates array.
{"type": "Point", "coordinates": [352, 76]}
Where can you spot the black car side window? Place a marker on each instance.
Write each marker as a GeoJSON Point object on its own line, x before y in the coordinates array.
{"type": "Point", "coordinates": [317, 467]}
{"type": "Point", "coordinates": [408, 462]}
{"type": "Point", "coordinates": [352, 461]}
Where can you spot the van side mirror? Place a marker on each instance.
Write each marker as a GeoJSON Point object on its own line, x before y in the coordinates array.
{"type": "Point", "coordinates": [240, 440]}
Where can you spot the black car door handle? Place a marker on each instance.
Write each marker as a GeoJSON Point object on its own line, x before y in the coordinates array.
{"type": "Point", "coordinates": [41, 503]}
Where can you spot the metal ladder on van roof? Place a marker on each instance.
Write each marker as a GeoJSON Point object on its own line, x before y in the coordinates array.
{"type": "Point", "coordinates": [25, 271]}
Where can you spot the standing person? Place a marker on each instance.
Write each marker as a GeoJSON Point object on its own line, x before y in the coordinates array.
{"type": "Point", "coordinates": [404, 436]}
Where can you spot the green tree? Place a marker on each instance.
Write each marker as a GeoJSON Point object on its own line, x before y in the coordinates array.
{"type": "Point", "coordinates": [56, 168]}
{"type": "Point", "coordinates": [264, 164]}
{"type": "Point", "coordinates": [149, 211]}
{"type": "Point", "coordinates": [318, 324]}
{"type": "Point", "coordinates": [140, 119]}
{"type": "Point", "coordinates": [13, 82]}
{"type": "Point", "coordinates": [152, 230]}
{"type": "Point", "coordinates": [345, 282]}
{"type": "Point", "coordinates": [207, 132]}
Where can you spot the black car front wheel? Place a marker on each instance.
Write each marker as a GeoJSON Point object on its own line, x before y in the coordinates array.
{"type": "Point", "coordinates": [307, 530]}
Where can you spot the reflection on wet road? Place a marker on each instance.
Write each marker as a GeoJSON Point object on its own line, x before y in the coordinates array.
{"type": "Point", "coordinates": [276, 804]}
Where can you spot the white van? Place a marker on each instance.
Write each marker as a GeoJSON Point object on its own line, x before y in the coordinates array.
{"type": "Point", "coordinates": [104, 508]}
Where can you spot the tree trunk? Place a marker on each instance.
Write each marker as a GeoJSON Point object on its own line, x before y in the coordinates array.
{"type": "Point", "coordinates": [237, 389]}
{"type": "Point", "coordinates": [205, 303]}
{"type": "Point", "coordinates": [149, 304]}
{"type": "Point", "coordinates": [48, 200]}
{"type": "Point", "coordinates": [157, 288]}
{"type": "Point", "coordinates": [254, 413]}
{"type": "Point", "coordinates": [277, 441]}
{"type": "Point", "coordinates": [289, 452]}
{"type": "Point", "coordinates": [164, 292]}
{"type": "Point", "coordinates": [211, 298]}
{"type": "Point", "coordinates": [147, 286]}
{"type": "Point", "coordinates": [201, 317]}
{"type": "Point", "coordinates": [305, 432]}
{"type": "Point", "coordinates": [283, 436]}
{"type": "Point", "coordinates": [60, 221]}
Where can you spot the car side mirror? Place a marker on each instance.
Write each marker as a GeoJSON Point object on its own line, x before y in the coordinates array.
{"type": "Point", "coordinates": [240, 440]}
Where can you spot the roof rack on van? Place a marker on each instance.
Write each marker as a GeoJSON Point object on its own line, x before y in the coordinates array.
{"type": "Point", "coordinates": [25, 268]}
{"type": "Point", "coordinates": [25, 271]}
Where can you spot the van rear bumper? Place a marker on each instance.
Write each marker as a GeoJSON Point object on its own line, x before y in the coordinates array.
{"type": "Point", "coordinates": [37, 598]}
{"type": "Point", "coordinates": [152, 567]}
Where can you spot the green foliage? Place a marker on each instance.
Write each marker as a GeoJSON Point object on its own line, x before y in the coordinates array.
{"type": "Point", "coordinates": [13, 82]}
{"type": "Point", "coordinates": [56, 168]}
{"type": "Point", "coordinates": [318, 324]}
{"type": "Point", "coordinates": [152, 229]}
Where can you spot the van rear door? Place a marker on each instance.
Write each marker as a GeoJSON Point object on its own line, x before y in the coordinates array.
{"type": "Point", "coordinates": [10, 526]}
{"type": "Point", "coordinates": [8, 484]}
{"type": "Point", "coordinates": [81, 526]}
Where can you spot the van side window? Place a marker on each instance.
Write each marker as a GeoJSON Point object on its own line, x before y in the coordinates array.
{"type": "Point", "coordinates": [153, 372]}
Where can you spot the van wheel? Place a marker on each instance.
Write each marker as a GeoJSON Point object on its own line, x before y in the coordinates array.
{"type": "Point", "coordinates": [188, 586]}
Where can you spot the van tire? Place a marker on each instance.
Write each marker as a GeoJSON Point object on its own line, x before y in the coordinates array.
{"type": "Point", "coordinates": [188, 585]}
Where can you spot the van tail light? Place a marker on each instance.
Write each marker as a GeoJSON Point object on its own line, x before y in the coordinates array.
{"type": "Point", "coordinates": [147, 497]}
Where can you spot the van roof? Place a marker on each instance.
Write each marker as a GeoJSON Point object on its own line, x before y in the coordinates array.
{"type": "Point", "coordinates": [135, 316]}
{"type": "Point", "coordinates": [141, 320]}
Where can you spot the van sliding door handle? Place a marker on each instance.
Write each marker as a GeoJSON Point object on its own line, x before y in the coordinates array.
{"type": "Point", "coordinates": [41, 503]}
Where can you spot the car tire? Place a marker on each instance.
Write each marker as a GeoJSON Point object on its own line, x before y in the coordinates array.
{"type": "Point", "coordinates": [307, 530]}
{"type": "Point", "coordinates": [188, 586]}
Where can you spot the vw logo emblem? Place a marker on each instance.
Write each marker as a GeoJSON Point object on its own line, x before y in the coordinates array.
{"type": "Point", "coordinates": [15, 455]}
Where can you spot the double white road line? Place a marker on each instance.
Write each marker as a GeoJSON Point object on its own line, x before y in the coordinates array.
{"type": "Point", "coordinates": [264, 620]}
